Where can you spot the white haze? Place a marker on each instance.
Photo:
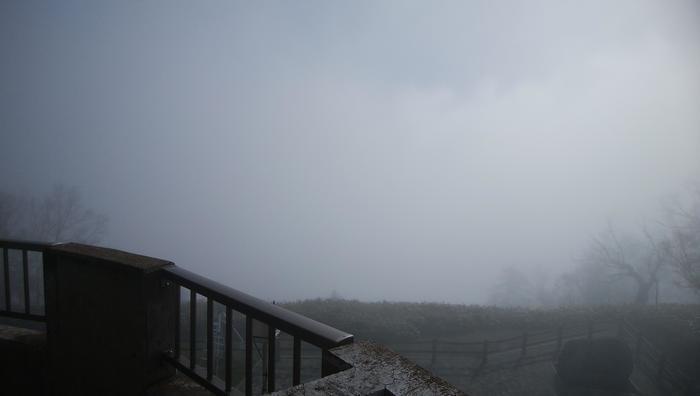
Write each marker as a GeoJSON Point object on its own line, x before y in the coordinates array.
{"type": "Point", "coordinates": [385, 150]}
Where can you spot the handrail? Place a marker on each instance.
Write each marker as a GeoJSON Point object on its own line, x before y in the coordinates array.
{"type": "Point", "coordinates": [313, 332]}
{"type": "Point", "coordinates": [25, 245]}
{"type": "Point", "coordinates": [274, 317]}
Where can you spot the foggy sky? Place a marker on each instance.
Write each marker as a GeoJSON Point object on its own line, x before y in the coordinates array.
{"type": "Point", "coordinates": [385, 150]}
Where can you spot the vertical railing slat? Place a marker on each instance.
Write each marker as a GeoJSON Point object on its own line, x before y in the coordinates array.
{"type": "Point", "coordinates": [229, 349]}
{"type": "Point", "coordinates": [248, 355]}
{"type": "Point", "coordinates": [270, 358]}
{"type": "Point", "coordinates": [25, 276]}
{"type": "Point", "coordinates": [210, 338]}
{"type": "Point", "coordinates": [193, 328]}
{"type": "Point", "coordinates": [296, 365]}
{"type": "Point", "coordinates": [326, 368]}
{"type": "Point", "coordinates": [205, 370]}
{"type": "Point", "coordinates": [178, 303]}
{"type": "Point", "coordinates": [6, 269]}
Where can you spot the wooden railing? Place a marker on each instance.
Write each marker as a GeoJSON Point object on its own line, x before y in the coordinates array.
{"type": "Point", "coordinates": [536, 347]}
{"type": "Point", "coordinates": [529, 347]}
{"type": "Point", "coordinates": [23, 296]}
{"type": "Point", "coordinates": [272, 318]}
{"type": "Point", "coordinates": [23, 280]}
{"type": "Point", "coordinates": [654, 364]}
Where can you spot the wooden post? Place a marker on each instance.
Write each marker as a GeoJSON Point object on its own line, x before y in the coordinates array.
{"type": "Point", "coordinates": [656, 299]}
{"type": "Point", "coordinates": [560, 336]}
{"type": "Point", "coordinates": [638, 348]}
{"type": "Point", "coordinates": [620, 329]}
{"type": "Point", "coordinates": [590, 330]}
{"type": "Point", "coordinates": [689, 388]}
{"type": "Point", "coordinates": [110, 318]}
{"type": "Point", "coordinates": [433, 353]}
{"type": "Point", "coordinates": [485, 353]}
{"type": "Point", "coordinates": [662, 367]}
{"type": "Point", "coordinates": [523, 345]}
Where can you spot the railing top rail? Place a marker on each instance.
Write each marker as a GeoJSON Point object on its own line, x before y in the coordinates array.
{"type": "Point", "coordinates": [309, 330]}
{"type": "Point", "coordinates": [25, 245]}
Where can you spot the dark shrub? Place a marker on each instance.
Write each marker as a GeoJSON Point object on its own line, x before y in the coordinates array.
{"type": "Point", "coordinates": [604, 363]}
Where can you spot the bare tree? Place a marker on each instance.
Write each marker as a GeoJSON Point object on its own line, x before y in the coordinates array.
{"type": "Point", "coordinates": [57, 216]}
{"type": "Point", "coordinates": [587, 283]}
{"type": "Point", "coordinates": [634, 259]}
{"type": "Point", "coordinates": [10, 214]}
{"type": "Point", "coordinates": [683, 239]}
{"type": "Point", "coordinates": [513, 289]}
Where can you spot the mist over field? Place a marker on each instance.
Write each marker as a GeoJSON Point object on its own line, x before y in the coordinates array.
{"type": "Point", "coordinates": [406, 151]}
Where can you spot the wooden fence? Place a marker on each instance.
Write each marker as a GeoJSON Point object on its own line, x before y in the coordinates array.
{"type": "Point", "coordinates": [655, 365]}
{"type": "Point", "coordinates": [541, 346]}
{"type": "Point", "coordinates": [547, 342]}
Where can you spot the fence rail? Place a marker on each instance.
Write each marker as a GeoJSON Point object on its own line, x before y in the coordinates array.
{"type": "Point", "coordinates": [523, 343]}
{"type": "Point", "coordinates": [272, 316]}
{"type": "Point", "coordinates": [529, 348]}
{"type": "Point", "coordinates": [23, 287]}
{"type": "Point", "coordinates": [654, 364]}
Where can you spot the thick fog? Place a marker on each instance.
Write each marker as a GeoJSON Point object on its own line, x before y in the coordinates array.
{"type": "Point", "coordinates": [384, 150]}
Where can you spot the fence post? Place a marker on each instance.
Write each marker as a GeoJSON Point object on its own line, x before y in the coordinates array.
{"type": "Point", "coordinates": [638, 348]}
{"type": "Point", "coordinates": [590, 330]}
{"type": "Point", "coordinates": [523, 345]}
{"type": "Point", "coordinates": [619, 329]}
{"type": "Point", "coordinates": [485, 353]}
{"type": "Point", "coordinates": [689, 388]}
{"type": "Point", "coordinates": [433, 352]}
{"type": "Point", "coordinates": [560, 336]}
{"type": "Point", "coordinates": [662, 366]}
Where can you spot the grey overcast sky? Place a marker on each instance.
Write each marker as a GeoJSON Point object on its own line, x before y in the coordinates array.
{"type": "Point", "coordinates": [387, 150]}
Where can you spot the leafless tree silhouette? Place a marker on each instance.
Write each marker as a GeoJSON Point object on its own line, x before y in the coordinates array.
{"type": "Point", "coordinates": [60, 215]}
{"type": "Point", "coordinates": [639, 260]}
{"type": "Point", "coordinates": [683, 241]}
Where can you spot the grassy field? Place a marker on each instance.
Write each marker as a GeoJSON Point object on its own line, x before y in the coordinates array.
{"type": "Point", "coordinates": [393, 321]}
{"type": "Point", "coordinates": [413, 328]}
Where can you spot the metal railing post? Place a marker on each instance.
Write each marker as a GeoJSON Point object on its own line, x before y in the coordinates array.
{"type": "Point", "coordinates": [178, 305]}
{"type": "Point", "coordinates": [6, 269]}
{"type": "Point", "coordinates": [25, 276]}
{"type": "Point", "coordinates": [296, 364]}
{"type": "Point", "coordinates": [270, 359]}
{"type": "Point", "coordinates": [193, 329]}
{"type": "Point", "coordinates": [229, 350]}
{"type": "Point", "coordinates": [210, 339]}
{"type": "Point", "coordinates": [273, 317]}
{"type": "Point", "coordinates": [248, 355]}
